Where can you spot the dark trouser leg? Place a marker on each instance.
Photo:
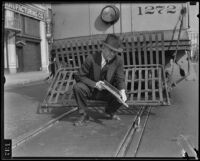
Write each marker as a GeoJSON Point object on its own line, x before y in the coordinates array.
{"type": "Point", "coordinates": [113, 103]}
{"type": "Point", "coordinates": [113, 106]}
{"type": "Point", "coordinates": [81, 93]}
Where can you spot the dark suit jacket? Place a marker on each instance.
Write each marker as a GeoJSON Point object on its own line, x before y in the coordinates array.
{"type": "Point", "coordinates": [89, 72]}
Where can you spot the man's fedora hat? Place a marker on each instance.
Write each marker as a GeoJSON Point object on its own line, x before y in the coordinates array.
{"type": "Point", "coordinates": [113, 42]}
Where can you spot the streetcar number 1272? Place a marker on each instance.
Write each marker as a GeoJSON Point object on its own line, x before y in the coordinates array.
{"type": "Point", "coordinates": [171, 9]}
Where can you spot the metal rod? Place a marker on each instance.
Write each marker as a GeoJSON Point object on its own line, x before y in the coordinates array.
{"type": "Point", "coordinates": [131, 18]}
{"type": "Point", "coordinates": [120, 18]}
{"type": "Point", "coordinates": [89, 21]}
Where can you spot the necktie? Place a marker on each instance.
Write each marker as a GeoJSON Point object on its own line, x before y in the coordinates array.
{"type": "Point", "coordinates": [103, 64]}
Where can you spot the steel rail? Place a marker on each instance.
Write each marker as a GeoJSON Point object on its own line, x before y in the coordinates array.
{"type": "Point", "coordinates": [29, 135]}
{"type": "Point", "coordinates": [140, 138]}
{"type": "Point", "coordinates": [124, 146]}
{"type": "Point", "coordinates": [126, 141]}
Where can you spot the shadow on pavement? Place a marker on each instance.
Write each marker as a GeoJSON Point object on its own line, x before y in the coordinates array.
{"type": "Point", "coordinates": [96, 113]}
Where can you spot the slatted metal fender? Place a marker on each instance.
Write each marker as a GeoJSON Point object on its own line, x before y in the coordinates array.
{"type": "Point", "coordinates": [139, 48]}
{"type": "Point", "coordinates": [143, 55]}
{"type": "Point", "coordinates": [145, 85]}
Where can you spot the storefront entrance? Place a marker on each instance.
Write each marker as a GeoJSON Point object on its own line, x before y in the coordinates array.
{"type": "Point", "coordinates": [29, 58]}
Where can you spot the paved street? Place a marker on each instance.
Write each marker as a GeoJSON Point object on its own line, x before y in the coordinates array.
{"type": "Point", "coordinates": [165, 124]}
{"type": "Point", "coordinates": [20, 109]}
{"type": "Point", "coordinates": [46, 43]}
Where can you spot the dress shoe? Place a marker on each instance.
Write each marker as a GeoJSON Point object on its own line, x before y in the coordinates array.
{"type": "Point", "coordinates": [116, 117]}
{"type": "Point", "coordinates": [82, 120]}
{"type": "Point", "coordinates": [112, 116]}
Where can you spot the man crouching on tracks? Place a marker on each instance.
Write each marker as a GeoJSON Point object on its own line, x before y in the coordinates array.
{"type": "Point", "coordinates": [102, 65]}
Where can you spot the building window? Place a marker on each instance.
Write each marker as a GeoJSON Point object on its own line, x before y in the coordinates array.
{"type": "Point", "coordinates": [13, 22]}
{"type": "Point", "coordinates": [31, 26]}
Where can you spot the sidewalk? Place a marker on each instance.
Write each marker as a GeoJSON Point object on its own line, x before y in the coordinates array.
{"type": "Point", "coordinates": [23, 78]}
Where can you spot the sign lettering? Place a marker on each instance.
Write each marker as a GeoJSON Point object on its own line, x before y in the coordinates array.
{"type": "Point", "coordinates": [26, 10]}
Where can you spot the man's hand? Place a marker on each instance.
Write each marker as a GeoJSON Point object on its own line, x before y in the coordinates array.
{"type": "Point", "coordinates": [99, 85]}
{"type": "Point", "coordinates": [123, 94]}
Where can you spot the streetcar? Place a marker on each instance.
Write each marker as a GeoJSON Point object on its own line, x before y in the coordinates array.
{"type": "Point", "coordinates": [156, 39]}
{"type": "Point", "coordinates": [153, 34]}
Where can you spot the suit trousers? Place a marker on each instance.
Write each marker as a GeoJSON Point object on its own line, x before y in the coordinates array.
{"type": "Point", "coordinates": [82, 92]}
